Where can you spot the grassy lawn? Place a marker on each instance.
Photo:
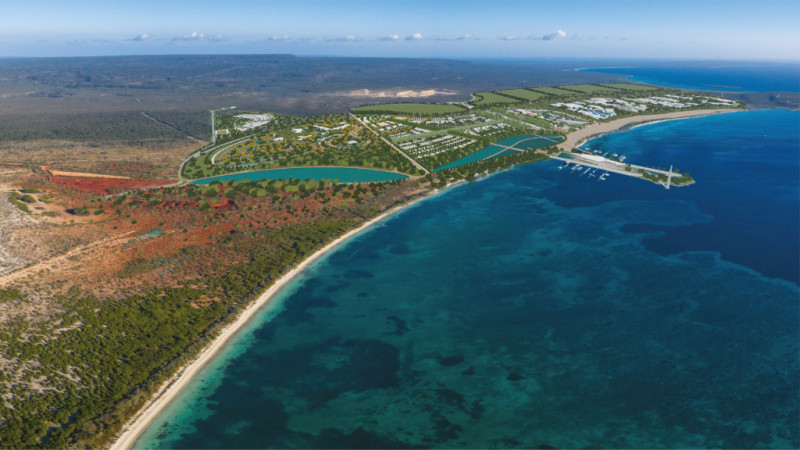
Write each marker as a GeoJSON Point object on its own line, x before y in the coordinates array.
{"type": "Point", "coordinates": [492, 98]}
{"type": "Point", "coordinates": [523, 94]}
{"type": "Point", "coordinates": [589, 89]}
{"type": "Point", "coordinates": [553, 91]}
{"type": "Point", "coordinates": [409, 108]}
{"type": "Point", "coordinates": [631, 87]}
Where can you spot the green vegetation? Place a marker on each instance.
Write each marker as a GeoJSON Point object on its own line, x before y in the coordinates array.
{"type": "Point", "coordinates": [99, 359]}
{"type": "Point", "coordinates": [654, 176]}
{"type": "Point", "coordinates": [526, 118]}
{"type": "Point", "coordinates": [553, 91]}
{"type": "Point", "coordinates": [102, 358]}
{"type": "Point", "coordinates": [682, 180]}
{"type": "Point", "coordinates": [522, 94]}
{"type": "Point", "coordinates": [122, 350]}
{"type": "Point", "coordinates": [332, 140]}
{"type": "Point", "coordinates": [86, 127]}
{"type": "Point", "coordinates": [435, 141]}
{"type": "Point", "coordinates": [478, 143]}
{"type": "Point", "coordinates": [589, 89]}
{"type": "Point", "coordinates": [192, 123]}
{"type": "Point", "coordinates": [15, 199]}
{"type": "Point", "coordinates": [491, 98]}
{"type": "Point", "coordinates": [408, 108]}
{"type": "Point", "coordinates": [630, 87]}
{"type": "Point", "coordinates": [469, 171]}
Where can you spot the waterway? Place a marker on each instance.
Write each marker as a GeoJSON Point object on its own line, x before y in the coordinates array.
{"type": "Point", "coordinates": [498, 149]}
{"type": "Point", "coordinates": [540, 308]}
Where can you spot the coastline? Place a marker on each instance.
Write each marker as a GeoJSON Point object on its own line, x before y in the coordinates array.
{"type": "Point", "coordinates": [134, 428]}
{"type": "Point", "coordinates": [579, 137]}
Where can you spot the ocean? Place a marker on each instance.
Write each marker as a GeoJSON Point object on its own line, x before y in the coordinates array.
{"type": "Point", "coordinates": [540, 308]}
{"type": "Point", "coordinates": [776, 77]}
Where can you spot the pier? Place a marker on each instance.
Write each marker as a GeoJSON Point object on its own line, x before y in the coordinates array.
{"type": "Point", "coordinates": [586, 158]}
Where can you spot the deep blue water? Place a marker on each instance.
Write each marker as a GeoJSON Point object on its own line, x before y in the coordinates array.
{"type": "Point", "coordinates": [540, 308]}
{"type": "Point", "coordinates": [343, 174]}
{"type": "Point", "coordinates": [739, 78]}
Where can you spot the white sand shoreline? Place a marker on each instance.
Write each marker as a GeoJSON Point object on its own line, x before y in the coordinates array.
{"type": "Point", "coordinates": [132, 430]}
{"type": "Point", "coordinates": [579, 137]}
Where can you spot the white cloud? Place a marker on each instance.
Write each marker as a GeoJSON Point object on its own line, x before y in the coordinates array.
{"type": "Point", "coordinates": [195, 36]}
{"type": "Point", "coordinates": [141, 37]}
{"type": "Point", "coordinates": [414, 37]}
{"type": "Point", "coordinates": [463, 37]}
{"type": "Point", "coordinates": [550, 37]}
{"type": "Point", "coordinates": [510, 37]}
{"type": "Point", "coordinates": [392, 37]}
{"type": "Point", "coordinates": [348, 38]}
{"type": "Point", "coordinates": [284, 37]}
{"type": "Point", "coordinates": [557, 35]}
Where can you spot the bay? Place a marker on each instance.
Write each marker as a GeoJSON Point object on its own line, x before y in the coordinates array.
{"type": "Point", "coordinates": [540, 308]}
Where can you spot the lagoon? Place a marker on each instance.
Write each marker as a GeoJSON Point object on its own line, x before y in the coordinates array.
{"type": "Point", "coordinates": [342, 174]}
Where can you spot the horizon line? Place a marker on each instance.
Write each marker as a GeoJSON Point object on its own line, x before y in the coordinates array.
{"type": "Point", "coordinates": [450, 58]}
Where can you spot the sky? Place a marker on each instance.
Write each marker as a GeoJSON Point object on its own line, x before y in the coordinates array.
{"type": "Point", "coordinates": [760, 30]}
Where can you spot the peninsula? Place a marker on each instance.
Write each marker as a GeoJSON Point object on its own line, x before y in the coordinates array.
{"type": "Point", "coordinates": [145, 279]}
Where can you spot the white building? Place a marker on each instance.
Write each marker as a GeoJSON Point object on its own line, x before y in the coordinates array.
{"type": "Point", "coordinates": [597, 159]}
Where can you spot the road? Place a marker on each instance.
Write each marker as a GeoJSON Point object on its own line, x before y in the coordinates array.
{"type": "Point", "coordinates": [416, 164]}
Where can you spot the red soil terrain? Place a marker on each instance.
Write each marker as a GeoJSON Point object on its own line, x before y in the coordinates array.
{"type": "Point", "coordinates": [114, 253]}
{"type": "Point", "coordinates": [104, 185]}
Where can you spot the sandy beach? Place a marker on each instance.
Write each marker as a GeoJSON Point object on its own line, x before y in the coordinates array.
{"type": "Point", "coordinates": [136, 426]}
{"type": "Point", "coordinates": [578, 137]}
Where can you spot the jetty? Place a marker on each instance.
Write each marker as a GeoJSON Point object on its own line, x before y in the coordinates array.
{"type": "Point", "coordinates": [586, 158]}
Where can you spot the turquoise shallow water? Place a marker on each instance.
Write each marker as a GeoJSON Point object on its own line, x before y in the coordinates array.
{"type": "Point", "coordinates": [525, 142]}
{"type": "Point", "coordinates": [540, 308]}
{"type": "Point", "coordinates": [343, 174]}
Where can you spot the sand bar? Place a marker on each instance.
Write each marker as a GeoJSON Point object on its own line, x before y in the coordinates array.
{"type": "Point", "coordinates": [578, 137]}
{"type": "Point", "coordinates": [136, 426]}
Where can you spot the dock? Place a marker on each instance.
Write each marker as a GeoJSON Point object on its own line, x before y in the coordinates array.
{"type": "Point", "coordinates": [586, 158]}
